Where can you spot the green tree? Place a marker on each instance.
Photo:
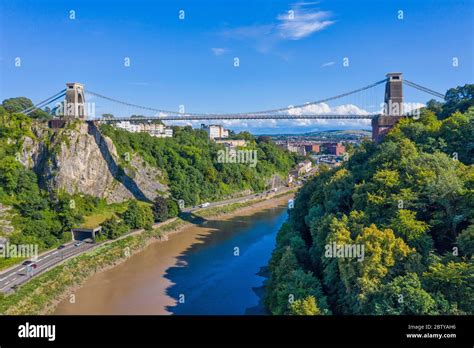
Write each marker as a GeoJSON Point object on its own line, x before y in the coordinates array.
{"type": "Point", "coordinates": [412, 231]}
{"type": "Point", "coordinates": [17, 104]}
{"type": "Point", "coordinates": [458, 99]}
{"type": "Point", "coordinates": [306, 306]}
{"type": "Point", "coordinates": [160, 209]}
{"type": "Point", "coordinates": [404, 295]}
{"type": "Point", "coordinates": [173, 208]}
{"type": "Point", "coordinates": [455, 281]}
{"type": "Point", "coordinates": [113, 228]}
{"type": "Point", "coordinates": [137, 216]}
{"type": "Point", "coordinates": [465, 241]}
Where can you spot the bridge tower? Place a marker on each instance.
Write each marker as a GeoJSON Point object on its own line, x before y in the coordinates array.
{"type": "Point", "coordinates": [393, 107]}
{"type": "Point", "coordinates": [75, 101]}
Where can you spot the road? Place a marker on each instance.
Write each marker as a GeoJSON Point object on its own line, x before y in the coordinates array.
{"type": "Point", "coordinates": [17, 275]}
{"type": "Point", "coordinates": [264, 194]}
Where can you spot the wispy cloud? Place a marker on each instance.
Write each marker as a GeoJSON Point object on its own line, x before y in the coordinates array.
{"type": "Point", "coordinates": [218, 51]}
{"type": "Point", "coordinates": [301, 21]}
{"type": "Point", "coordinates": [327, 64]}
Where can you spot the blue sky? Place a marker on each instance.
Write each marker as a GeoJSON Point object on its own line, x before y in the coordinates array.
{"type": "Point", "coordinates": [190, 62]}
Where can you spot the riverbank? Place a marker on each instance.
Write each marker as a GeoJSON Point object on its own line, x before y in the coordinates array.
{"type": "Point", "coordinates": [42, 294]}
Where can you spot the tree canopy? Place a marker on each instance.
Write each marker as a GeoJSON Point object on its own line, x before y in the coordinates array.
{"type": "Point", "coordinates": [408, 203]}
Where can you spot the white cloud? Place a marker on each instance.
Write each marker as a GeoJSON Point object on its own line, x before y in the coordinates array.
{"type": "Point", "coordinates": [302, 22]}
{"type": "Point", "coordinates": [218, 51]}
{"type": "Point", "coordinates": [323, 108]}
{"type": "Point", "coordinates": [327, 64]}
{"type": "Point", "coordinates": [298, 23]}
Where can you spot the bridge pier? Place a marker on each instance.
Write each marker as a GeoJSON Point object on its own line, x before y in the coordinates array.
{"type": "Point", "coordinates": [381, 125]}
{"type": "Point", "coordinates": [393, 107]}
{"type": "Point", "coordinates": [75, 103]}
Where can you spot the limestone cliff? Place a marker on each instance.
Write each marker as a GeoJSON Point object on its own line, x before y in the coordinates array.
{"type": "Point", "coordinates": [79, 159]}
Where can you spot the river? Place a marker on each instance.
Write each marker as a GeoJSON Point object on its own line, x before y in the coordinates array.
{"type": "Point", "coordinates": [214, 268]}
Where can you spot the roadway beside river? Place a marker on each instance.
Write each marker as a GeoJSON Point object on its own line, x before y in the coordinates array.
{"type": "Point", "coordinates": [54, 282]}
{"type": "Point", "coordinates": [212, 267]}
{"type": "Point", "coordinates": [17, 275]}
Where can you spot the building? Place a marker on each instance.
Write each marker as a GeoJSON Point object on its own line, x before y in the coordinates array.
{"type": "Point", "coordinates": [304, 167]}
{"type": "Point", "coordinates": [292, 176]}
{"type": "Point", "coordinates": [315, 148]}
{"type": "Point", "coordinates": [334, 148]}
{"type": "Point", "coordinates": [312, 148]}
{"type": "Point", "coordinates": [215, 131]}
{"type": "Point", "coordinates": [168, 133]}
{"type": "Point", "coordinates": [299, 149]}
{"type": "Point", "coordinates": [128, 126]}
{"type": "Point", "coordinates": [154, 129]}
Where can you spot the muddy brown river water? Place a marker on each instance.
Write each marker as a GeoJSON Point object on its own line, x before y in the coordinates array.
{"type": "Point", "coordinates": [204, 269]}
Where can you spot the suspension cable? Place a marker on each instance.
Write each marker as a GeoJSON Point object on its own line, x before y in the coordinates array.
{"type": "Point", "coordinates": [240, 113]}
{"type": "Point", "coordinates": [31, 108]}
{"type": "Point", "coordinates": [424, 89]}
{"type": "Point", "coordinates": [49, 101]}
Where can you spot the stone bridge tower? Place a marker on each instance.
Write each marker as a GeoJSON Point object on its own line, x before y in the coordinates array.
{"type": "Point", "coordinates": [393, 107]}
{"type": "Point", "coordinates": [75, 103]}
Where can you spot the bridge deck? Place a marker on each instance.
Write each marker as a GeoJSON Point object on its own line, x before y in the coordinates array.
{"type": "Point", "coordinates": [185, 117]}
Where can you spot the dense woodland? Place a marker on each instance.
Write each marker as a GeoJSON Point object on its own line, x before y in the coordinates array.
{"type": "Point", "coordinates": [409, 201]}
{"type": "Point", "coordinates": [188, 161]}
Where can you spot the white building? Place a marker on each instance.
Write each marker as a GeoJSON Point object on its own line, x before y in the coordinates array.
{"type": "Point", "coordinates": [215, 131]}
{"type": "Point", "coordinates": [304, 167]}
{"type": "Point", "coordinates": [167, 133]}
{"type": "Point", "coordinates": [154, 129]}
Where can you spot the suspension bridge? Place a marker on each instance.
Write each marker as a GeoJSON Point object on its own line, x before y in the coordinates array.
{"type": "Point", "coordinates": [71, 103]}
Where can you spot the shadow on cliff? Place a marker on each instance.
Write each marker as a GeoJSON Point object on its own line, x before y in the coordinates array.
{"type": "Point", "coordinates": [117, 172]}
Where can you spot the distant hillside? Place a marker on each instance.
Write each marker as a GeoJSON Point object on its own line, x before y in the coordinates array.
{"type": "Point", "coordinates": [336, 133]}
{"type": "Point", "coordinates": [331, 134]}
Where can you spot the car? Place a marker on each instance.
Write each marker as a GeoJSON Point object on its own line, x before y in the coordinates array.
{"type": "Point", "coordinates": [79, 243]}
{"type": "Point", "coordinates": [62, 246]}
{"type": "Point", "coordinates": [27, 262]}
{"type": "Point", "coordinates": [205, 205]}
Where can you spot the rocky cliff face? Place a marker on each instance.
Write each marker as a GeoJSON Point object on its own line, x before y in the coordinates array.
{"type": "Point", "coordinates": [6, 226]}
{"type": "Point", "coordinates": [79, 159]}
